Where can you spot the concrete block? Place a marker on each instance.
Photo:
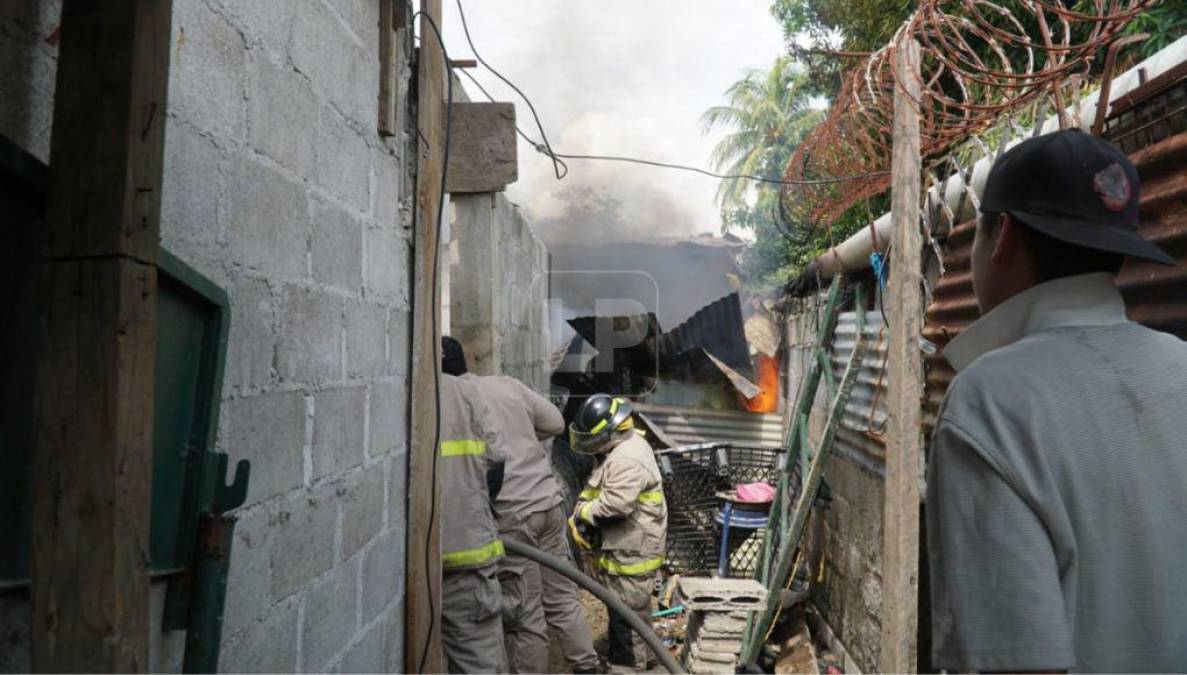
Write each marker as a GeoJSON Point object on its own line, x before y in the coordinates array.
{"type": "Point", "coordinates": [268, 646]}
{"type": "Point", "coordinates": [720, 645]}
{"type": "Point", "coordinates": [15, 616]}
{"type": "Point", "coordinates": [331, 617]}
{"type": "Point", "coordinates": [389, 185]}
{"type": "Point", "coordinates": [268, 430]}
{"type": "Point", "coordinates": [366, 339]}
{"type": "Point", "coordinates": [166, 648]}
{"type": "Point", "coordinates": [192, 187]}
{"type": "Point", "coordinates": [720, 622]}
{"type": "Point", "coordinates": [397, 491]}
{"type": "Point", "coordinates": [700, 667]}
{"type": "Point", "coordinates": [27, 79]}
{"type": "Point", "coordinates": [267, 25]}
{"type": "Point", "coordinates": [337, 247]}
{"type": "Point", "coordinates": [388, 416]}
{"type": "Point", "coordinates": [303, 528]}
{"type": "Point", "coordinates": [383, 574]}
{"type": "Point", "coordinates": [284, 113]}
{"type": "Point", "coordinates": [208, 71]}
{"type": "Point", "coordinates": [362, 499]}
{"type": "Point", "coordinates": [722, 594]}
{"type": "Point", "coordinates": [399, 337]}
{"type": "Point", "coordinates": [251, 350]}
{"type": "Point", "coordinates": [344, 160]}
{"type": "Point", "coordinates": [268, 224]}
{"type": "Point", "coordinates": [310, 348]}
{"type": "Point", "coordinates": [366, 656]}
{"type": "Point", "coordinates": [727, 658]}
{"type": "Point", "coordinates": [361, 18]}
{"type": "Point", "coordinates": [389, 265]}
{"type": "Point", "coordinates": [393, 637]}
{"type": "Point", "coordinates": [343, 72]}
{"type": "Point", "coordinates": [338, 430]}
{"type": "Point", "coordinates": [251, 564]}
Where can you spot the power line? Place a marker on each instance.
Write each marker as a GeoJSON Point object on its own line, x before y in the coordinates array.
{"type": "Point", "coordinates": [561, 169]}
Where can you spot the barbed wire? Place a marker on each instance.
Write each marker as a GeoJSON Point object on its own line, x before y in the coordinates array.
{"type": "Point", "coordinates": [980, 60]}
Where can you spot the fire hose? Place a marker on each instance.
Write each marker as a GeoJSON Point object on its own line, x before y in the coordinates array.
{"type": "Point", "coordinates": [613, 603]}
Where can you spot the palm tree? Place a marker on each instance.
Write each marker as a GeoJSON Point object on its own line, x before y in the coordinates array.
{"type": "Point", "coordinates": [767, 114]}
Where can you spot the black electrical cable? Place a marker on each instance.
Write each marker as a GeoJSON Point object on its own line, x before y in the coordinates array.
{"type": "Point", "coordinates": [433, 321]}
{"type": "Point", "coordinates": [539, 125]}
{"type": "Point", "coordinates": [544, 147]}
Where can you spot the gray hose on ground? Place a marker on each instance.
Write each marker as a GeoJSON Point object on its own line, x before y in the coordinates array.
{"type": "Point", "coordinates": [604, 594]}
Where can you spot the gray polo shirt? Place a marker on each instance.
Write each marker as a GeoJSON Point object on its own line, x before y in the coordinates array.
{"type": "Point", "coordinates": [1057, 489]}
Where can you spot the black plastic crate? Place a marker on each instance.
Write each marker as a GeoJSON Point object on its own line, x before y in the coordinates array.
{"type": "Point", "coordinates": [693, 475]}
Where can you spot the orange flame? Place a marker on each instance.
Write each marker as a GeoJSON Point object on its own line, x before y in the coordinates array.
{"type": "Point", "coordinates": [767, 368]}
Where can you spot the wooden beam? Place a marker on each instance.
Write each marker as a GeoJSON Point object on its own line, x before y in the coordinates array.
{"type": "Point", "coordinates": [900, 551]}
{"type": "Point", "coordinates": [482, 148]}
{"type": "Point", "coordinates": [93, 451]}
{"type": "Point", "coordinates": [422, 646]}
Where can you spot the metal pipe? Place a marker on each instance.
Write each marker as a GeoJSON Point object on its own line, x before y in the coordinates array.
{"type": "Point", "coordinates": [613, 602]}
{"type": "Point", "coordinates": [853, 254]}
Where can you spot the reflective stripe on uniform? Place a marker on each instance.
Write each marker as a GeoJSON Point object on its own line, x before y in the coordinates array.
{"type": "Point", "coordinates": [612, 566]}
{"type": "Point", "coordinates": [651, 497]}
{"type": "Point", "coordinates": [463, 447]}
{"type": "Point", "coordinates": [645, 497]}
{"type": "Point", "coordinates": [473, 556]}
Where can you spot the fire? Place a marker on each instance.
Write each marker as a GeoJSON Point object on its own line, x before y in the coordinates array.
{"type": "Point", "coordinates": [767, 368]}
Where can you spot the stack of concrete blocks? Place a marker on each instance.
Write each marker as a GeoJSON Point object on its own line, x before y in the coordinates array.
{"type": "Point", "coordinates": [719, 610]}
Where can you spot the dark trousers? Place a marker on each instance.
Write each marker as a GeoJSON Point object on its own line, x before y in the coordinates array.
{"type": "Point", "coordinates": [621, 648]}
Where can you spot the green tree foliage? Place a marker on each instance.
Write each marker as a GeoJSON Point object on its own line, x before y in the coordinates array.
{"type": "Point", "coordinates": [765, 116]}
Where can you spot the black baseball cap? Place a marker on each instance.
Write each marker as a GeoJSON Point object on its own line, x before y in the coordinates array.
{"type": "Point", "coordinates": [1075, 188]}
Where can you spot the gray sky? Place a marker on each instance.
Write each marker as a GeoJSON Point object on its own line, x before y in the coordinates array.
{"type": "Point", "coordinates": [617, 77]}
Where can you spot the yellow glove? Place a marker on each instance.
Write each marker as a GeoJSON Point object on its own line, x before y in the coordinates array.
{"type": "Point", "coordinates": [576, 532]}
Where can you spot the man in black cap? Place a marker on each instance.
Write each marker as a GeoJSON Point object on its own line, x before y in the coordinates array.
{"type": "Point", "coordinates": [1057, 481]}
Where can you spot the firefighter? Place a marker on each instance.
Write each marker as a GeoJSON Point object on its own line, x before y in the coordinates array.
{"type": "Point", "coordinates": [471, 465]}
{"type": "Point", "coordinates": [530, 509]}
{"type": "Point", "coordinates": [623, 502]}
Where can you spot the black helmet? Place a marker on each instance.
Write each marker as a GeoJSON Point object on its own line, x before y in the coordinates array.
{"type": "Point", "coordinates": [598, 419]}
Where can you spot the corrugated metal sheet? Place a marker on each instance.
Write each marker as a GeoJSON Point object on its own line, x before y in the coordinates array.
{"type": "Point", "coordinates": [687, 426]}
{"type": "Point", "coordinates": [718, 328]}
{"type": "Point", "coordinates": [864, 422]}
{"type": "Point", "coordinates": [1154, 295]}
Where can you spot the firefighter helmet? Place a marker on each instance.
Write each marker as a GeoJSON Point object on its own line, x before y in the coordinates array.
{"type": "Point", "coordinates": [599, 419]}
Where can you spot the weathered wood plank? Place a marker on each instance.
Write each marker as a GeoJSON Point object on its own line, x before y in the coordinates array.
{"type": "Point", "coordinates": [93, 448]}
{"type": "Point", "coordinates": [482, 150]}
{"type": "Point", "coordinates": [900, 557]}
{"type": "Point", "coordinates": [392, 19]}
{"type": "Point", "coordinates": [422, 646]}
{"type": "Point", "coordinates": [92, 467]}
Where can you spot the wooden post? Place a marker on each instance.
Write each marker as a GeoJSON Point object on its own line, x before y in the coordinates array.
{"type": "Point", "coordinates": [92, 458]}
{"type": "Point", "coordinates": [422, 628]}
{"type": "Point", "coordinates": [900, 551]}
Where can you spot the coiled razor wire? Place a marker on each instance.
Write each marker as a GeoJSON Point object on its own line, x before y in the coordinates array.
{"type": "Point", "coordinates": [980, 60]}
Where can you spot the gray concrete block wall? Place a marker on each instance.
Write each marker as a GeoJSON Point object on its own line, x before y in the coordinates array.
{"type": "Point", "coordinates": [279, 188]}
{"type": "Point", "coordinates": [499, 289]}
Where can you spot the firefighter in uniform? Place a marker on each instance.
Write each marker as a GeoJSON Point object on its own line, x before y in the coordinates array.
{"type": "Point", "coordinates": [623, 502]}
{"type": "Point", "coordinates": [530, 509]}
{"type": "Point", "coordinates": [471, 462]}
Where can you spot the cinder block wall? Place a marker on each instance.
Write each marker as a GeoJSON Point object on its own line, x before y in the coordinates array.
{"type": "Point", "coordinates": [498, 290]}
{"type": "Point", "coordinates": [279, 188]}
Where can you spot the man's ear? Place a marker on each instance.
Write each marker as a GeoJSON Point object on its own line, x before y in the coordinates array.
{"type": "Point", "coordinates": [1006, 243]}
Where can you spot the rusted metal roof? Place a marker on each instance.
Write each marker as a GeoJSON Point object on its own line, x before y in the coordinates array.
{"type": "Point", "coordinates": [1155, 295]}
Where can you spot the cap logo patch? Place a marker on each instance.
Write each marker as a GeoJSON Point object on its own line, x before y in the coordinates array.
{"type": "Point", "coordinates": [1112, 185]}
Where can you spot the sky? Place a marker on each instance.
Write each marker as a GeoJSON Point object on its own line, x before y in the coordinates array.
{"type": "Point", "coordinates": [615, 77]}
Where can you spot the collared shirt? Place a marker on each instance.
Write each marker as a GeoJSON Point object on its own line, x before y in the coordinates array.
{"type": "Point", "coordinates": [526, 422]}
{"type": "Point", "coordinates": [1057, 489]}
{"type": "Point", "coordinates": [470, 446]}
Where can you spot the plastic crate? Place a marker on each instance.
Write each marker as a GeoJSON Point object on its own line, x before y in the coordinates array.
{"type": "Point", "coordinates": [693, 475]}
